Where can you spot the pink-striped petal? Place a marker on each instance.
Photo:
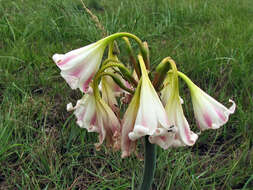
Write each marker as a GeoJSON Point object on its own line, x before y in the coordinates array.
{"type": "Point", "coordinates": [79, 66]}
{"type": "Point", "coordinates": [209, 113]}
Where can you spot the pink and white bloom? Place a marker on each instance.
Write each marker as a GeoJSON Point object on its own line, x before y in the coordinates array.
{"type": "Point", "coordinates": [79, 66]}
{"type": "Point", "coordinates": [209, 113]}
{"type": "Point", "coordinates": [96, 116]}
{"type": "Point", "coordinates": [183, 136]}
{"type": "Point", "coordinates": [176, 118]}
{"type": "Point", "coordinates": [145, 115]}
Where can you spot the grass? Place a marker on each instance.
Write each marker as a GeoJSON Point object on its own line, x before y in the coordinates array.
{"type": "Point", "coordinates": [41, 147]}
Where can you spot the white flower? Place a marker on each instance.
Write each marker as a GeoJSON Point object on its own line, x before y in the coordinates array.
{"type": "Point", "coordinates": [145, 114]}
{"type": "Point", "coordinates": [184, 136]}
{"type": "Point", "coordinates": [79, 66]}
{"type": "Point", "coordinates": [209, 113]}
{"type": "Point", "coordinates": [96, 116]}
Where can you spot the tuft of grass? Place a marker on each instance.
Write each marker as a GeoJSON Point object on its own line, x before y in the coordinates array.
{"type": "Point", "coordinates": [41, 147]}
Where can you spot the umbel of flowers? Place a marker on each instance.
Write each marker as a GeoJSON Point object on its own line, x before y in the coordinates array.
{"type": "Point", "coordinates": [154, 106]}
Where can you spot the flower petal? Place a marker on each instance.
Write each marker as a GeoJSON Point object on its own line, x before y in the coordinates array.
{"type": "Point", "coordinates": [109, 126]}
{"type": "Point", "coordinates": [79, 66]}
{"type": "Point", "coordinates": [151, 113]}
{"type": "Point", "coordinates": [176, 117]}
{"type": "Point", "coordinates": [85, 111]}
{"type": "Point", "coordinates": [127, 141]}
{"type": "Point", "coordinates": [209, 113]}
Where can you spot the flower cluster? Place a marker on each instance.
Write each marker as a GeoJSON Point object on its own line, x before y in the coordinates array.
{"type": "Point", "coordinates": [154, 107]}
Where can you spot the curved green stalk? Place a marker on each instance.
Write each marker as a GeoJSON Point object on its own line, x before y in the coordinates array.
{"type": "Point", "coordinates": [149, 165]}
{"type": "Point", "coordinates": [126, 34]}
{"type": "Point", "coordinates": [143, 48]}
{"type": "Point", "coordinates": [161, 72]}
{"type": "Point", "coordinates": [132, 58]}
{"type": "Point", "coordinates": [186, 79]}
{"type": "Point", "coordinates": [126, 73]}
{"type": "Point", "coordinates": [117, 81]}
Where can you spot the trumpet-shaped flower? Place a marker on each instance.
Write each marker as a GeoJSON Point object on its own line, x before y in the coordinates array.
{"type": "Point", "coordinates": [209, 113]}
{"type": "Point", "coordinates": [176, 117]}
{"type": "Point", "coordinates": [145, 114]}
{"type": "Point", "coordinates": [96, 116]}
{"type": "Point", "coordinates": [79, 66]}
{"type": "Point", "coordinates": [184, 135]}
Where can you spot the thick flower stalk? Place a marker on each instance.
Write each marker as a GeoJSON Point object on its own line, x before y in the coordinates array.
{"type": "Point", "coordinates": [209, 113]}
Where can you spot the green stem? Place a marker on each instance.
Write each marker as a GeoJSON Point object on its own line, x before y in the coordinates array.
{"type": "Point", "coordinates": [117, 81]}
{"type": "Point", "coordinates": [161, 73]}
{"type": "Point", "coordinates": [126, 73]}
{"type": "Point", "coordinates": [186, 79]}
{"type": "Point", "coordinates": [149, 165]}
{"type": "Point", "coordinates": [143, 49]}
{"type": "Point", "coordinates": [132, 57]}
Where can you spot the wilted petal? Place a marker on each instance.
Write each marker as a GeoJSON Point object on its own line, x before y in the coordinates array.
{"type": "Point", "coordinates": [85, 112]}
{"type": "Point", "coordinates": [108, 124]}
{"type": "Point", "coordinates": [79, 66]}
{"type": "Point", "coordinates": [96, 116]}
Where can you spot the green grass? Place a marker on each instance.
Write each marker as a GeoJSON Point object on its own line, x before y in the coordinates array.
{"type": "Point", "coordinates": [41, 147]}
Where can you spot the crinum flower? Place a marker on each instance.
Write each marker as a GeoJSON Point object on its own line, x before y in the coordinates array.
{"type": "Point", "coordinates": [209, 113]}
{"type": "Point", "coordinates": [145, 114]}
{"type": "Point", "coordinates": [79, 66]}
{"type": "Point", "coordinates": [184, 136]}
{"type": "Point", "coordinates": [85, 112]}
{"type": "Point", "coordinates": [96, 116]}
